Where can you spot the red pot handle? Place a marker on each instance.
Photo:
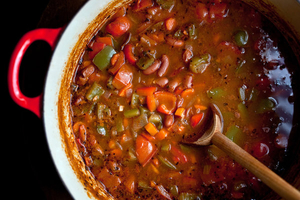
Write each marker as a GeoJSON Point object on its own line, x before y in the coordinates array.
{"type": "Point", "coordinates": [48, 35]}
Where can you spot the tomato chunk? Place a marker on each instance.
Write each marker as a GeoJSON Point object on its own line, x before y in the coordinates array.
{"type": "Point", "coordinates": [123, 77]}
{"type": "Point", "coordinates": [145, 150]}
{"type": "Point", "coordinates": [118, 27]}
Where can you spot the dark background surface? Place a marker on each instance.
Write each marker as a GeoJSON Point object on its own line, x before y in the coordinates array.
{"type": "Point", "coordinates": [27, 167]}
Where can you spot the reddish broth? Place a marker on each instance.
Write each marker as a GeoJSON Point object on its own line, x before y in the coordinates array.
{"type": "Point", "coordinates": [146, 80]}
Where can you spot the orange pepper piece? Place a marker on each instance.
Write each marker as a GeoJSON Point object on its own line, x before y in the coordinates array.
{"type": "Point", "coordinates": [150, 127]}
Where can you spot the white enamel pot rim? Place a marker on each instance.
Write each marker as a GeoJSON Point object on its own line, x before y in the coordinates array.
{"type": "Point", "coordinates": [289, 10]}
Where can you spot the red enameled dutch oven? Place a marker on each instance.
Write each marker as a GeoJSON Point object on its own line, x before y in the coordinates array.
{"type": "Point", "coordinates": [68, 45]}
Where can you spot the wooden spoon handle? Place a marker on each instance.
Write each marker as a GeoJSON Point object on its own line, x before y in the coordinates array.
{"type": "Point", "coordinates": [266, 175]}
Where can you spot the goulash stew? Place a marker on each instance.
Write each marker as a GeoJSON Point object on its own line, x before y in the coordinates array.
{"type": "Point", "coordinates": [146, 81]}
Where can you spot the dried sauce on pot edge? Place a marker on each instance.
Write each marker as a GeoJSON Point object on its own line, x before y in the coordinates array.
{"type": "Point", "coordinates": [146, 80]}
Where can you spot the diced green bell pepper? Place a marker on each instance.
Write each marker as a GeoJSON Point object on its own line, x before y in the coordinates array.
{"type": "Point", "coordinates": [232, 132]}
{"type": "Point", "coordinates": [88, 107]}
{"type": "Point", "coordinates": [215, 93]}
{"type": "Point", "coordinates": [155, 118]}
{"type": "Point", "coordinates": [94, 90]}
{"type": "Point", "coordinates": [199, 64]}
{"type": "Point", "coordinates": [157, 26]}
{"type": "Point", "coordinates": [143, 184]}
{"type": "Point", "coordinates": [188, 196]}
{"type": "Point", "coordinates": [100, 110]}
{"type": "Point", "coordinates": [186, 148]}
{"type": "Point", "coordinates": [235, 134]}
{"type": "Point", "coordinates": [266, 105]}
{"type": "Point", "coordinates": [178, 33]}
{"type": "Point", "coordinates": [131, 154]}
{"type": "Point", "coordinates": [174, 190]}
{"type": "Point", "coordinates": [103, 111]}
{"type": "Point", "coordinates": [109, 83]}
{"type": "Point", "coordinates": [243, 111]}
{"type": "Point", "coordinates": [253, 94]}
{"type": "Point", "coordinates": [166, 147]}
{"type": "Point", "coordinates": [145, 62]}
{"type": "Point", "coordinates": [192, 31]}
{"type": "Point", "coordinates": [132, 113]}
{"type": "Point", "coordinates": [102, 59]}
{"type": "Point", "coordinates": [166, 162]}
{"type": "Point", "coordinates": [119, 125]}
{"type": "Point", "coordinates": [214, 153]}
{"type": "Point", "coordinates": [134, 100]}
{"type": "Point", "coordinates": [144, 110]}
{"type": "Point", "coordinates": [240, 65]}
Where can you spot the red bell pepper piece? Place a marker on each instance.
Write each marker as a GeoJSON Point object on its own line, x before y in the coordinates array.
{"type": "Point", "coordinates": [162, 191]}
{"type": "Point", "coordinates": [97, 47]}
{"type": "Point", "coordinates": [145, 150]}
{"type": "Point", "coordinates": [195, 119]}
{"type": "Point", "coordinates": [105, 40]}
{"type": "Point", "coordinates": [99, 44]}
{"type": "Point", "coordinates": [128, 50]}
{"type": "Point", "coordinates": [179, 155]}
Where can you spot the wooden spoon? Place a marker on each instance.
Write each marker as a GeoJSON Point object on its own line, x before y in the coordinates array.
{"type": "Point", "coordinates": [214, 136]}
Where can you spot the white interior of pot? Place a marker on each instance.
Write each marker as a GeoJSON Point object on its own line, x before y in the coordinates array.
{"type": "Point", "coordinates": [53, 85]}
{"type": "Point", "coordinates": [64, 61]}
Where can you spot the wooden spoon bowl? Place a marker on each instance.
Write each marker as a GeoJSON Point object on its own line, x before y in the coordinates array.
{"type": "Point", "coordinates": [214, 135]}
